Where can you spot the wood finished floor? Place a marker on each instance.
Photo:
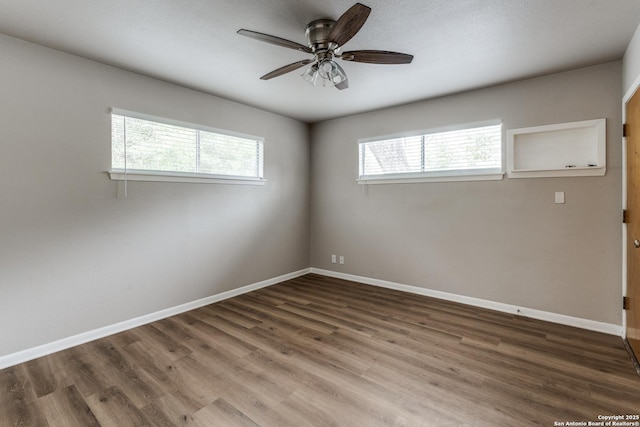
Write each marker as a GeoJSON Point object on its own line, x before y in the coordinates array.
{"type": "Point", "coordinates": [317, 351]}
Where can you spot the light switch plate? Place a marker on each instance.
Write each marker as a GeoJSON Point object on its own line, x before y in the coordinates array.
{"type": "Point", "coordinates": [559, 197]}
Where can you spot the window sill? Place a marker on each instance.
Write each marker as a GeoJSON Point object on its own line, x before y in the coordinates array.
{"type": "Point", "coordinates": [435, 177]}
{"type": "Point", "coordinates": [157, 176]}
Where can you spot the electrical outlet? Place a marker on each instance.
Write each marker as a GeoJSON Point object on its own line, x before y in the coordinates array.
{"type": "Point", "coordinates": [341, 259]}
{"type": "Point", "coordinates": [333, 259]}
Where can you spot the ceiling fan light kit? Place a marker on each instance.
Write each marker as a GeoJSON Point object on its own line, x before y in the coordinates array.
{"type": "Point", "coordinates": [325, 39]}
{"type": "Point", "coordinates": [311, 75]}
{"type": "Point", "coordinates": [329, 71]}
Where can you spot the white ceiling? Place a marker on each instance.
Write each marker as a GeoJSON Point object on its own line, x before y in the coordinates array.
{"type": "Point", "coordinates": [458, 45]}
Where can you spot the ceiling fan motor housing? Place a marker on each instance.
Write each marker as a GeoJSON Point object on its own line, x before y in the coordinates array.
{"type": "Point", "coordinates": [317, 33]}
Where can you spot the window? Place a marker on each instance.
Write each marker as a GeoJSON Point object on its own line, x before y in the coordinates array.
{"type": "Point", "coordinates": [156, 150]}
{"type": "Point", "coordinates": [466, 154]}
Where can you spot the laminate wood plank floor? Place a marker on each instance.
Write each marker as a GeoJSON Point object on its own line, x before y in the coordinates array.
{"type": "Point", "coordinates": [318, 351]}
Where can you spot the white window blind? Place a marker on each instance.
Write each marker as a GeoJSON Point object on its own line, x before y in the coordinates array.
{"type": "Point", "coordinates": [477, 149]}
{"type": "Point", "coordinates": [145, 145]}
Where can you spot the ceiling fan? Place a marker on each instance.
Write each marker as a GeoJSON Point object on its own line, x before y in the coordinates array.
{"type": "Point", "coordinates": [325, 39]}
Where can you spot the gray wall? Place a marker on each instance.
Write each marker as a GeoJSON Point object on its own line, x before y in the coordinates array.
{"type": "Point", "coordinates": [631, 63]}
{"type": "Point", "coordinates": [73, 256]}
{"type": "Point", "coordinates": [504, 241]}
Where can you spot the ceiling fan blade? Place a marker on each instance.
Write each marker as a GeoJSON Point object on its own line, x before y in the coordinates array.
{"type": "Point", "coordinates": [343, 85]}
{"type": "Point", "coordinates": [286, 69]}
{"type": "Point", "coordinates": [274, 40]}
{"type": "Point", "coordinates": [349, 24]}
{"type": "Point", "coordinates": [377, 57]}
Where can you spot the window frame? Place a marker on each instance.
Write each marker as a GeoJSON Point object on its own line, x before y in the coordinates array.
{"type": "Point", "coordinates": [478, 174]}
{"type": "Point", "coordinates": [128, 174]}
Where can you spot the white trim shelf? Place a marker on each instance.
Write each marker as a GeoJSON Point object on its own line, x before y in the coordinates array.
{"type": "Point", "coordinates": [157, 176]}
{"type": "Point", "coordinates": [573, 168]}
{"type": "Point", "coordinates": [382, 179]}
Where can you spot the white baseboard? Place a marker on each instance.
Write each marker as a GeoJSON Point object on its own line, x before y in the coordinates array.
{"type": "Point", "coordinates": [592, 325]}
{"type": "Point", "coordinates": [72, 341]}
